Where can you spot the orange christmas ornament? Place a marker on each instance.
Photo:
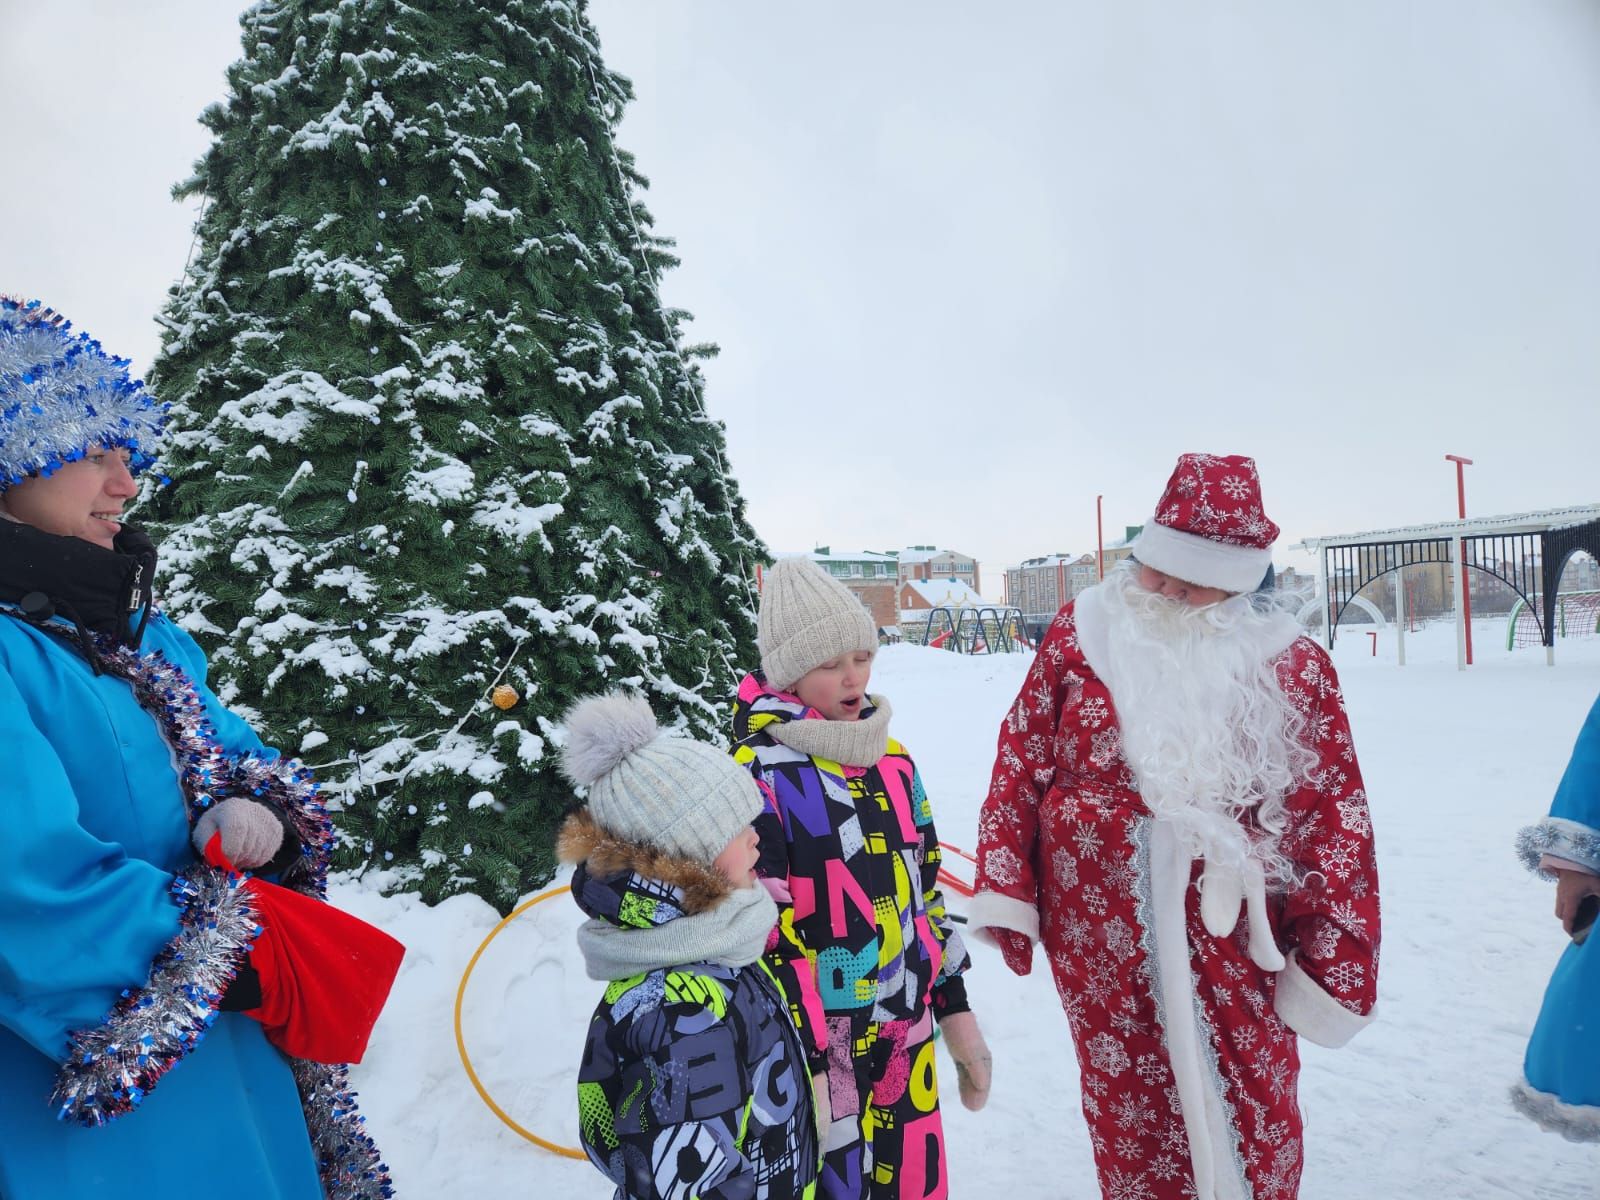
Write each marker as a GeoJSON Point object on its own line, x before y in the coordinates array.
{"type": "Point", "coordinates": [504, 696]}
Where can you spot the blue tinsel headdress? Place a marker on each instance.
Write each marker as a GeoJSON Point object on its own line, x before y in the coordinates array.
{"type": "Point", "coordinates": [61, 395]}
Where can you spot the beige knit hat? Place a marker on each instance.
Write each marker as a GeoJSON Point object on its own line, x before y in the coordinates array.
{"type": "Point", "coordinates": [806, 618]}
{"type": "Point", "coordinates": [684, 797]}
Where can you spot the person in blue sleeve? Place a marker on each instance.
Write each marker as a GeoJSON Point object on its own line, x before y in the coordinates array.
{"type": "Point", "coordinates": [128, 1065]}
{"type": "Point", "coordinates": [1560, 1088]}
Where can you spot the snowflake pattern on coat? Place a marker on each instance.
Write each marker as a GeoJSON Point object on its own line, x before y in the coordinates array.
{"type": "Point", "coordinates": [1065, 831]}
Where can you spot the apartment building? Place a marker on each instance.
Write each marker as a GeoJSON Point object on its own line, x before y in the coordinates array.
{"type": "Point", "coordinates": [930, 562]}
{"type": "Point", "coordinates": [1041, 586]}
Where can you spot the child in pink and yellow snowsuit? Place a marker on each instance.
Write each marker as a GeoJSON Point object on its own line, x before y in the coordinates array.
{"type": "Point", "coordinates": [849, 850]}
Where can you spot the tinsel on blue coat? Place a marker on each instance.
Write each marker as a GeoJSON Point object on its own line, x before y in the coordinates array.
{"type": "Point", "coordinates": [115, 944]}
{"type": "Point", "coordinates": [61, 396]}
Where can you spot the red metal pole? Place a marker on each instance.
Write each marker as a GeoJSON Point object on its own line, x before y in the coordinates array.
{"type": "Point", "coordinates": [1461, 508]}
{"type": "Point", "coordinates": [1099, 540]}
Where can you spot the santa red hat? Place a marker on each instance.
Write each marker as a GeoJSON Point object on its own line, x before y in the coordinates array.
{"type": "Point", "coordinates": [1209, 527]}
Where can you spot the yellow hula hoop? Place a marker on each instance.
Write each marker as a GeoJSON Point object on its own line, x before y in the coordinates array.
{"type": "Point", "coordinates": [461, 1044]}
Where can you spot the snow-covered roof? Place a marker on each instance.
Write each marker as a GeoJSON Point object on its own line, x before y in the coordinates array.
{"type": "Point", "coordinates": [1128, 538]}
{"type": "Point", "coordinates": [1051, 560]}
{"type": "Point", "coordinates": [1537, 521]}
{"type": "Point", "coordinates": [847, 556]}
{"type": "Point", "coordinates": [921, 554]}
{"type": "Point", "coordinates": [951, 593]}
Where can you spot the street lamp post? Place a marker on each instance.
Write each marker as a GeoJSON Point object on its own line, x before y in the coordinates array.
{"type": "Point", "coordinates": [1461, 551]}
{"type": "Point", "coordinates": [1099, 540]}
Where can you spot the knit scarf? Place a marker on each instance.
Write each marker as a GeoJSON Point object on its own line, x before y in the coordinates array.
{"type": "Point", "coordinates": [858, 743]}
{"type": "Point", "coordinates": [733, 934]}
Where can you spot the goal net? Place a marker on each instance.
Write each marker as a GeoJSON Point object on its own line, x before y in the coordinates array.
{"type": "Point", "coordinates": [1577, 616]}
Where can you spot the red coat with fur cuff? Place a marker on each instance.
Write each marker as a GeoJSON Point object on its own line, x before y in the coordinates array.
{"type": "Point", "coordinates": [1065, 855]}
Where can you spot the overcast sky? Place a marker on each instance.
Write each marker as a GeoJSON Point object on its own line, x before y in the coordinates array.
{"type": "Point", "coordinates": [967, 273]}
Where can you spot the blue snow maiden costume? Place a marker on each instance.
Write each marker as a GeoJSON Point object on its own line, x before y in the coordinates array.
{"type": "Point", "coordinates": [1561, 1085]}
{"type": "Point", "coordinates": [122, 1070]}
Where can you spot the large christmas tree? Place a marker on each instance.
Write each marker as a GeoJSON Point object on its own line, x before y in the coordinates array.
{"type": "Point", "coordinates": [434, 434]}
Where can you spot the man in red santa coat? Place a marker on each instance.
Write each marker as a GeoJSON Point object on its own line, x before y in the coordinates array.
{"type": "Point", "coordinates": [1177, 815]}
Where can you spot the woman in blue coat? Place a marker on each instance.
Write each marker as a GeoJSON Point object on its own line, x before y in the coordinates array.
{"type": "Point", "coordinates": [1561, 1085]}
{"type": "Point", "coordinates": [127, 1065]}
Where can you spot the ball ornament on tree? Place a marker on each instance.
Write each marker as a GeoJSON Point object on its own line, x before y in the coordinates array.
{"type": "Point", "coordinates": [504, 696]}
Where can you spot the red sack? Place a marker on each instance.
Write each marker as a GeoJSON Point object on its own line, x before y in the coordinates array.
{"type": "Point", "coordinates": [324, 974]}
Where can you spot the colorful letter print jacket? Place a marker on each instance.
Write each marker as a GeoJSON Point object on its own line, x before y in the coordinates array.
{"type": "Point", "coordinates": [853, 857]}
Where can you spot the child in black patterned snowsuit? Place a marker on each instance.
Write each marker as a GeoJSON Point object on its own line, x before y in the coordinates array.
{"type": "Point", "coordinates": [694, 1080]}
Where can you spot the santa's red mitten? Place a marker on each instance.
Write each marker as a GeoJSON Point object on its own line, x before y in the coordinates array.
{"type": "Point", "coordinates": [1016, 948]}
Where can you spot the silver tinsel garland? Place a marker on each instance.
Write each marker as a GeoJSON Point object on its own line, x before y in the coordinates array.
{"type": "Point", "coordinates": [62, 396]}
{"type": "Point", "coordinates": [112, 1067]}
{"type": "Point", "coordinates": [207, 773]}
{"type": "Point", "coordinates": [347, 1157]}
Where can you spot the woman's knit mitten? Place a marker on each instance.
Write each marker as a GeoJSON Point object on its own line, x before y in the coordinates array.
{"type": "Point", "coordinates": [251, 832]}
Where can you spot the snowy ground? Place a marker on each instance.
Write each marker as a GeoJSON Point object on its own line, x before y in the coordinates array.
{"type": "Point", "coordinates": [1415, 1106]}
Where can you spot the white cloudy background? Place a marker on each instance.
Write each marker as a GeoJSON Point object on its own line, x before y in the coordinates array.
{"type": "Point", "coordinates": [970, 267]}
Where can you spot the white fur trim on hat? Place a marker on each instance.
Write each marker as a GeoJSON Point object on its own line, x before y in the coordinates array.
{"type": "Point", "coordinates": [1197, 559]}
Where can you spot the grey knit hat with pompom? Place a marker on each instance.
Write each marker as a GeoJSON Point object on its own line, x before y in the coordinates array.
{"type": "Point", "coordinates": [684, 797]}
{"type": "Point", "coordinates": [806, 618]}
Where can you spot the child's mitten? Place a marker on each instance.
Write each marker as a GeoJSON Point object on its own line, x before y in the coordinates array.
{"type": "Point", "coordinates": [824, 1109]}
{"type": "Point", "coordinates": [974, 1064]}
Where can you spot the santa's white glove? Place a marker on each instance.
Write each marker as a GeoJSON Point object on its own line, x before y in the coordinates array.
{"type": "Point", "coordinates": [823, 1100]}
{"type": "Point", "coordinates": [251, 832]}
{"type": "Point", "coordinates": [974, 1064]}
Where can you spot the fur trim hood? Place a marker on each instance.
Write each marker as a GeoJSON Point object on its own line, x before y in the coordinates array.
{"type": "Point", "coordinates": [606, 857]}
{"type": "Point", "coordinates": [650, 911]}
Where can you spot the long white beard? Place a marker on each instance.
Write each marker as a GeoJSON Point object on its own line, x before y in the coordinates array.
{"type": "Point", "coordinates": [1206, 729]}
